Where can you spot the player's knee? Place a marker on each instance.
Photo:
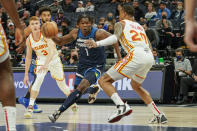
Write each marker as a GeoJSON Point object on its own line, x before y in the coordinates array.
{"type": "Point", "coordinates": [135, 85]}
{"type": "Point", "coordinates": [104, 80]}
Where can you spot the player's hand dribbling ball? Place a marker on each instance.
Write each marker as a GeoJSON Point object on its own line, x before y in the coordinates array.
{"type": "Point", "coordinates": [49, 29]}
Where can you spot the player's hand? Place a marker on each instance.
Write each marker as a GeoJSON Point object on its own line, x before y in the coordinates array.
{"type": "Point", "coordinates": [91, 44]}
{"type": "Point", "coordinates": [195, 77]}
{"type": "Point", "coordinates": [20, 40]}
{"type": "Point", "coordinates": [26, 80]}
{"type": "Point", "coordinates": [180, 69]}
{"type": "Point", "coordinates": [190, 37]}
{"type": "Point", "coordinates": [42, 69]}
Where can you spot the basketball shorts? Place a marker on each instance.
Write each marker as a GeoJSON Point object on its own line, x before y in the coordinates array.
{"type": "Point", "coordinates": [56, 69]}
{"type": "Point", "coordinates": [91, 74]}
{"type": "Point", "coordinates": [134, 66]}
{"type": "Point", "coordinates": [4, 52]}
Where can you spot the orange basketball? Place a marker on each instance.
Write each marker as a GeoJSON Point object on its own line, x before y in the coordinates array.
{"type": "Point", "coordinates": [49, 29]}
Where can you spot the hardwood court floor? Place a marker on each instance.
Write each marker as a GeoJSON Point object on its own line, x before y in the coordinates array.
{"type": "Point", "coordinates": [98, 114]}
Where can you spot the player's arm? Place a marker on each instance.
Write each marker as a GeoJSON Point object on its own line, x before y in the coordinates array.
{"type": "Point", "coordinates": [66, 38]}
{"type": "Point", "coordinates": [102, 34]}
{"type": "Point", "coordinates": [190, 9]}
{"type": "Point", "coordinates": [27, 60]}
{"type": "Point", "coordinates": [118, 28]}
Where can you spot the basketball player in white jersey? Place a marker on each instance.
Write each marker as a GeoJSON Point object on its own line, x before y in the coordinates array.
{"type": "Point", "coordinates": [190, 37]}
{"type": "Point", "coordinates": [7, 89]}
{"type": "Point", "coordinates": [47, 60]}
{"type": "Point", "coordinates": [135, 65]}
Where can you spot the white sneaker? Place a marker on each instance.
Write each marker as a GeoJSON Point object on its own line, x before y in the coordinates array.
{"type": "Point", "coordinates": [161, 118]}
{"type": "Point", "coordinates": [29, 112]}
{"type": "Point", "coordinates": [122, 110]}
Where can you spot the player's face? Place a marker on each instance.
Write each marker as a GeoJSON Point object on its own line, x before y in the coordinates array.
{"type": "Point", "coordinates": [85, 25]}
{"type": "Point", "coordinates": [35, 25]}
{"type": "Point", "coordinates": [45, 16]}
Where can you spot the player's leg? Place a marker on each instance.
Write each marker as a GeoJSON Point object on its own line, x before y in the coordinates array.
{"type": "Point", "coordinates": [105, 82]}
{"type": "Point", "coordinates": [89, 78]}
{"type": "Point", "coordinates": [34, 93]}
{"type": "Point", "coordinates": [7, 95]}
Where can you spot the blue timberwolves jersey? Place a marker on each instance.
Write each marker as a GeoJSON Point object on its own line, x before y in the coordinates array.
{"type": "Point", "coordinates": [89, 57]}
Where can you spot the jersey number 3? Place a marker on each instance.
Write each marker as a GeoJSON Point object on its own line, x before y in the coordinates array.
{"type": "Point", "coordinates": [44, 52]}
{"type": "Point", "coordinates": [138, 36]}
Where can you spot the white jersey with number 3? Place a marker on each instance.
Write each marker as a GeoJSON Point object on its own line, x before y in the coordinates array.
{"type": "Point", "coordinates": [41, 48]}
{"type": "Point", "coordinates": [133, 36]}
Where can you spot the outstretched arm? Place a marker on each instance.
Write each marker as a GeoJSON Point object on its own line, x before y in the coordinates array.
{"type": "Point", "coordinates": [102, 34]}
{"type": "Point", "coordinates": [66, 38]}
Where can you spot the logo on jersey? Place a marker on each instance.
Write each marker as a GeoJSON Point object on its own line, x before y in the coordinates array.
{"type": "Point", "coordinates": [40, 47]}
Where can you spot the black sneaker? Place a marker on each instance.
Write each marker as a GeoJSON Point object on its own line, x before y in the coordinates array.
{"type": "Point", "coordinates": [53, 117]}
{"type": "Point", "coordinates": [92, 97]}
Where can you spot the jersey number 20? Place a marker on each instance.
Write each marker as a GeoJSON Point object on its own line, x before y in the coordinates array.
{"type": "Point", "coordinates": [138, 36]}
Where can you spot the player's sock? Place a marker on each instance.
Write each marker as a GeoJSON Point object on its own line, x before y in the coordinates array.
{"type": "Point", "coordinates": [10, 117]}
{"type": "Point", "coordinates": [27, 95]}
{"type": "Point", "coordinates": [72, 98]}
{"type": "Point", "coordinates": [31, 102]}
{"type": "Point", "coordinates": [154, 108]}
{"type": "Point", "coordinates": [116, 99]}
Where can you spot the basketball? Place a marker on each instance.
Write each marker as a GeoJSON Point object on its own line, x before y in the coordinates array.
{"type": "Point", "coordinates": [49, 29]}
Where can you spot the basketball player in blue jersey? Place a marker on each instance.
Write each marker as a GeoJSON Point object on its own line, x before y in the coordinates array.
{"type": "Point", "coordinates": [91, 61]}
{"type": "Point", "coordinates": [45, 16]}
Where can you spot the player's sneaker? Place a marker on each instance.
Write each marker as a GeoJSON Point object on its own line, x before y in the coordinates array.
{"type": "Point", "coordinates": [36, 109]}
{"type": "Point", "coordinates": [161, 118]}
{"type": "Point", "coordinates": [28, 114]}
{"type": "Point", "coordinates": [74, 107]}
{"type": "Point", "coordinates": [53, 117]}
{"type": "Point", "coordinates": [92, 97]}
{"type": "Point", "coordinates": [24, 101]}
{"type": "Point", "coordinates": [122, 110]}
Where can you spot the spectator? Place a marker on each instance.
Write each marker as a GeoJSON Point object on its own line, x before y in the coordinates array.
{"type": "Point", "coordinates": [89, 6]}
{"type": "Point", "coordinates": [80, 7]}
{"type": "Point", "coordinates": [164, 28]}
{"type": "Point", "coordinates": [100, 25]}
{"type": "Point", "coordinates": [68, 6]}
{"type": "Point", "coordinates": [55, 7]}
{"type": "Point", "coordinates": [186, 84]}
{"type": "Point", "coordinates": [162, 9]}
{"type": "Point", "coordinates": [73, 57]}
{"type": "Point", "coordinates": [156, 56]}
{"type": "Point", "coordinates": [26, 17]}
{"type": "Point", "coordinates": [178, 13]}
{"type": "Point", "coordinates": [60, 17]}
{"type": "Point", "coordinates": [152, 35]}
{"type": "Point", "coordinates": [138, 13]}
{"type": "Point", "coordinates": [110, 19]}
{"type": "Point", "coordinates": [180, 64]}
{"type": "Point", "coordinates": [151, 13]}
{"type": "Point", "coordinates": [4, 18]}
{"type": "Point", "coordinates": [11, 38]}
{"type": "Point", "coordinates": [37, 13]}
{"type": "Point", "coordinates": [26, 5]}
{"type": "Point", "coordinates": [65, 26]}
{"type": "Point", "coordinates": [110, 29]}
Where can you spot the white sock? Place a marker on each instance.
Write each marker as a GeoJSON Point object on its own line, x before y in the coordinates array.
{"type": "Point", "coordinates": [116, 99]}
{"type": "Point", "coordinates": [154, 108]}
{"type": "Point", "coordinates": [31, 102]}
{"type": "Point", "coordinates": [10, 117]}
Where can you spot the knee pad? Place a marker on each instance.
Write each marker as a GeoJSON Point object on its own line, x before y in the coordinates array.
{"type": "Point", "coordinates": [63, 87]}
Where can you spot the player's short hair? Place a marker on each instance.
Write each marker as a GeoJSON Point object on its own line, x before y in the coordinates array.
{"type": "Point", "coordinates": [128, 9]}
{"type": "Point", "coordinates": [34, 18]}
{"type": "Point", "coordinates": [179, 50]}
{"type": "Point", "coordinates": [84, 16]}
{"type": "Point", "coordinates": [44, 8]}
